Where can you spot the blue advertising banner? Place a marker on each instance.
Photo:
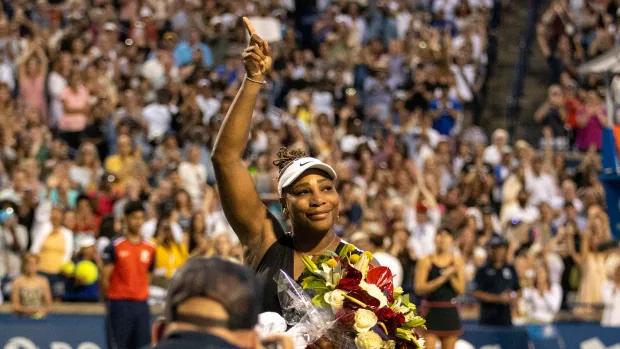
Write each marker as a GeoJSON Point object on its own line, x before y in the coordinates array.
{"type": "Point", "coordinates": [53, 332]}
{"type": "Point", "coordinates": [88, 332]}
{"type": "Point", "coordinates": [562, 335]}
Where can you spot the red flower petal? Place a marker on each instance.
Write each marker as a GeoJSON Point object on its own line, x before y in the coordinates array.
{"type": "Point", "coordinates": [348, 284]}
{"type": "Point", "coordinates": [346, 316]}
{"type": "Point", "coordinates": [391, 319]}
{"type": "Point", "coordinates": [362, 296]}
{"type": "Point", "coordinates": [382, 277]}
{"type": "Point", "coordinates": [351, 279]}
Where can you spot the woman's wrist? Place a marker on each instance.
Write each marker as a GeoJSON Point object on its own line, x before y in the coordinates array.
{"type": "Point", "coordinates": [260, 80]}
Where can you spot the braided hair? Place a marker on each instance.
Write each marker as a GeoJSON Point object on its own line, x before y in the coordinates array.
{"type": "Point", "coordinates": [286, 157]}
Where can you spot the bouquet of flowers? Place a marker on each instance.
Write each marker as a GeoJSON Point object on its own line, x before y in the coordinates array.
{"type": "Point", "coordinates": [351, 302]}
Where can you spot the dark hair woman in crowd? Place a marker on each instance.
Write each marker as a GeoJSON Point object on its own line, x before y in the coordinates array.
{"type": "Point", "coordinates": [440, 278]}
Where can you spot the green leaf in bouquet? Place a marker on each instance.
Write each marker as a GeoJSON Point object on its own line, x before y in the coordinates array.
{"type": "Point", "coordinates": [309, 264]}
{"type": "Point", "coordinates": [316, 284]}
{"type": "Point", "coordinates": [417, 321]}
{"type": "Point", "coordinates": [308, 279]}
{"type": "Point", "coordinates": [404, 334]}
{"type": "Point", "coordinates": [405, 299]}
{"type": "Point", "coordinates": [319, 300]}
{"type": "Point", "coordinates": [412, 306]}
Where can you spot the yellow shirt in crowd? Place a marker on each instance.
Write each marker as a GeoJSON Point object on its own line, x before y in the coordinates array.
{"type": "Point", "coordinates": [170, 258]}
{"type": "Point", "coordinates": [120, 167]}
{"type": "Point", "coordinates": [52, 253]}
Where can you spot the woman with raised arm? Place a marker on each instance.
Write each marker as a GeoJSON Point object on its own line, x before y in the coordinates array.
{"type": "Point", "coordinates": [305, 185]}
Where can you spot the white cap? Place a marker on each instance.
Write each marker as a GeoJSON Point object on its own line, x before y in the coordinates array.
{"type": "Point", "coordinates": [296, 168]}
{"type": "Point", "coordinates": [87, 241]}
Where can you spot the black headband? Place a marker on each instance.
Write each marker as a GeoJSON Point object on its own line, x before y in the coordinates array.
{"type": "Point", "coordinates": [202, 321]}
{"type": "Point", "coordinates": [236, 323]}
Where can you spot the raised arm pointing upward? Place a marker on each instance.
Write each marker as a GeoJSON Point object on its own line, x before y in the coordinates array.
{"type": "Point", "coordinates": [305, 187]}
{"type": "Point", "coordinates": [240, 201]}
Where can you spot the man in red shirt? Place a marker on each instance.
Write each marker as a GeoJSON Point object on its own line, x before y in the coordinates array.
{"type": "Point", "coordinates": [129, 262]}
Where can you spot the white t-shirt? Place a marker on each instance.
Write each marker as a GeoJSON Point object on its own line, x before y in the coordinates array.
{"type": "Point", "coordinates": [155, 71]}
{"type": "Point", "coordinates": [56, 84]}
{"type": "Point", "coordinates": [528, 215]}
{"type": "Point", "coordinates": [422, 239]}
{"type": "Point", "coordinates": [7, 76]}
{"type": "Point", "coordinates": [492, 155]}
{"type": "Point", "coordinates": [323, 102]}
{"type": "Point", "coordinates": [541, 188]}
{"type": "Point", "coordinates": [403, 20]}
{"type": "Point", "coordinates": [158, 118]}
{"type": "Point", "coordinates": [611, 299]}
{"type": "Point", "coordinates": [208, 106]}
{"type": "Point", "coordinates": [478, 53]}
{"type": "Point", "coordinates": [193, 176]}
{"type": "Point", "coordinates": [558, 203]}
{"type": "Point", "coordinates": [12, 260]}
{"type": "Point", "coordinates": [542, 308]}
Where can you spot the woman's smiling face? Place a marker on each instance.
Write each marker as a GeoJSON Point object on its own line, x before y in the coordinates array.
{"type": "Point", "coordinates": [311, 203]}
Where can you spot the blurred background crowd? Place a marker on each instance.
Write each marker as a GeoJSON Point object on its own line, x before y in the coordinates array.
{"type": "Point", "coordinates": [570, 33]}
{"type": "Point", "coordinates": [103, 102]}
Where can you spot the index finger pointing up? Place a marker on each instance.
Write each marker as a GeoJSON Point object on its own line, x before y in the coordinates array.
{"type": "Point", "coordinates": [249, 26]}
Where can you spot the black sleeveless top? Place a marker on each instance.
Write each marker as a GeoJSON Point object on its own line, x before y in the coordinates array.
{"type": "Point", "coordinates": [445, 293]}
{"type": "Point", "coordinates": [279, 256]}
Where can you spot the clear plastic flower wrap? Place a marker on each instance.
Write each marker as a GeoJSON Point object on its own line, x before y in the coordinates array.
{"type": "Point", "coordinates": [307, 322]}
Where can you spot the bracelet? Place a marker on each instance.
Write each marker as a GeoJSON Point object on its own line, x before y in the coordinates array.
{"type": "Point", "coordinates": [255, 81]}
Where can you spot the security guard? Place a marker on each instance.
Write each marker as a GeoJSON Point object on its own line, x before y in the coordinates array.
{"type": "Point", "coordinates": [497, 285]}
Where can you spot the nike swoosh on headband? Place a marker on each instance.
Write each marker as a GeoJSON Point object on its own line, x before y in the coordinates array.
{"type": "Point", "coordinates": [305, 163]}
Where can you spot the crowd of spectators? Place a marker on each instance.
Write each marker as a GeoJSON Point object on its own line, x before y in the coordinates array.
{"type": "Point", "coordinates": [106, 102]}
{"type": "Point", "coordinates": [569, 34]}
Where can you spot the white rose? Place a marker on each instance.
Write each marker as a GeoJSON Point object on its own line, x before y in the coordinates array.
{"type": "Point", "coordinates": [364, 320]}
{"type": "Point", "coordinates": [335, 299]}
{"type": "Point", "coordinates": [368, 340]}
{"type": "Point", "coordinates": [375, 292]}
